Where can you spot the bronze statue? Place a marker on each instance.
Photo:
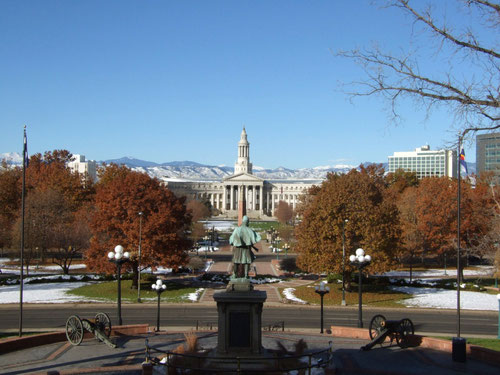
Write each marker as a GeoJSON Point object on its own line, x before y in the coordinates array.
{"type": "Point", "coordinates": [243, 240]}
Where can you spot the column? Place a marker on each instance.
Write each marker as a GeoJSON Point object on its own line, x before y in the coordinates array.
{"type": "Point", "coordinates": [224, 199]}
{"type": "Point", "coordinates": [254, 197]}
{"type": "Point", "coordinates": [231, 198]}
{"type": "Point", "coordinates": [261, 201]}
{"type": "Point", "coordinates": [212, 201]}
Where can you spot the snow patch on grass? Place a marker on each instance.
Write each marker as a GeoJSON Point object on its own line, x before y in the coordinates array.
{"type": "Point", "coordinates": [288, 293]}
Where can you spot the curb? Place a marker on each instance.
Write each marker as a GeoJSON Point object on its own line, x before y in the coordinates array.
{"type": "Point", "coordinates": [18, 343]}
{"type": "Point", "coordinates": [472, 351]}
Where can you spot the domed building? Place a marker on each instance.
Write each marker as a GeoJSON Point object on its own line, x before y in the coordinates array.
{"type": "Point", "coordinates": [261, 196]}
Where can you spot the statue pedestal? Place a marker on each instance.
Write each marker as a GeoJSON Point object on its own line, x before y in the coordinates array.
{"type": "Point", "coordinates": [240, 322]}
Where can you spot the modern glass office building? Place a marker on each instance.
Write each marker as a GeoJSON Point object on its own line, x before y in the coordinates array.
{"type": "Point", "coordinates": [425, 162]}
{"type": "Point", "coordinates": [488, 153]}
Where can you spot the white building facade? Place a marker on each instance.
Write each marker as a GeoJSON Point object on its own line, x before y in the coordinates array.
{"type": "Point", "coordinates": [425, 162]}
{"type": "Point", "coordinates": [261, 196]}
{"type": "Point", "coordinates": [84, 167]}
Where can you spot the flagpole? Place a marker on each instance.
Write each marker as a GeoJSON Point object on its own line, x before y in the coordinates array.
{"type": "Point", "coordinates": [21, 277]}
{"type": "Point", "coordinates": [458, 235]}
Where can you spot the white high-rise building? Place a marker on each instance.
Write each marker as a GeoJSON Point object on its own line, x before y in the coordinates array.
{"type": "Point", "coordinates": [425, 162]}
{"type": "Point", "coordinates": [80, 165]}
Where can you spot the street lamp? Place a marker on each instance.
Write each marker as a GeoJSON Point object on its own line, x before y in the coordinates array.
{"type": "Point", "coordinates": [321, 290]}
{"type": "Point", "coordinates": [159, 287]}
{"type": "Point", "coordinates": [278, 240]}
{"type": "Point", "coordinates": [286, 246]}
{"type": "Point", "coordinates": [139, 260]}
{"type": "Point", "coordinates": [344, 222]}
{"type": "Point", "coordinates": [360, 260]}
{"type": "Point", "coordinates": [206, 238]}
{"type": "Point", "coordinates": [119, 257]}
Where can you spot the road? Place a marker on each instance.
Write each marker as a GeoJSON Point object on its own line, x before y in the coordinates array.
{"type": "Point", "coordinates": [46, 316]}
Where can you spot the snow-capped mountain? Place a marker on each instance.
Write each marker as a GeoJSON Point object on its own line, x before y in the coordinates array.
{"type": "Point", "coordinates": [192, 171]}
{"type": "Point", "coordinates": [13, 158]}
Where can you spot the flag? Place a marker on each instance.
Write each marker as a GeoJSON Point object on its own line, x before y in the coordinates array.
{"type": "Point", "coordinates": [25, 150]}
{"type": "Point", "coordinates": [462, 161]}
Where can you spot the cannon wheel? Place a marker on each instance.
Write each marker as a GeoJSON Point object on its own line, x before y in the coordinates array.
{"type": "Point", "coordinates": [377, 324]}
{"type": "Point", "coordinates": [405, 329]}
{"type": "Point", "coordinates": [74, 330]}
{"type": "Point", "coordinates": [103, 322]}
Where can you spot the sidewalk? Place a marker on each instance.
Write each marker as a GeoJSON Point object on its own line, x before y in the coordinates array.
{"type": "Point", "coordinates": [93, 357]}
{"type": "Point", "coordinates": [261, 268]}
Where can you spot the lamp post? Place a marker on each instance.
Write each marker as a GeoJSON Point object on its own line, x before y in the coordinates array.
{"type": "Point", "coordinates": [206, 238]}
{"type": "Point", "coordinates": [343, 261]}
{"type": "Point", "coordinates": [360, 260]}
{"type": "Point", "coordinates": [159, 287]}
{"type": "Point", "coordinates": [119, 257]}
{"type": "Point", "coordinates": [139, 259]}
{"type": "Point", "coordinates": [278, 240]}
{"type": "Point", "coordinates": [321, 290]}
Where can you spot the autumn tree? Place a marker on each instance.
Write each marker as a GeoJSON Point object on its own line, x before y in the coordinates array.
{"type": "Point", "coordinates": [360, 197]}
{"type": "Point", "coordinates": [198, 210]}
{"type": "Point", "coordinates": [120, 195]}
{"type": "Point", "coordinates": [71, 237]}
{"type": "Point", "coordinates": [436, 211]}
{"type": "Point", "coordinates": [470, 44]}
{"type": "Point", "coordinates": [283, 212]}
{"type": "Point", "coordinates": [10, 201]}
{"type": "Point", "coordinates": [45, 211]}
{"type": "Point", "coordinates": [400, 180]}
{"type": "Point", "coordinates": [412, 242]}
{"type": "Point", "coordinates": [50, 171]}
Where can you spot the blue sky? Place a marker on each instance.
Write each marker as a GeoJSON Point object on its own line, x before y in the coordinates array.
{"type": "Point", "coordinates": [177, 80]}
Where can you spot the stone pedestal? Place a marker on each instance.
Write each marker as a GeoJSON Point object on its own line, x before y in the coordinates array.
{"type": "Point", "coordinates": [240, 322]}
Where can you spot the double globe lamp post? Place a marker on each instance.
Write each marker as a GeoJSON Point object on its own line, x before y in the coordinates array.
{"type": "Point", "coordinates": [119, 257]}
{"type": "Point", "coordinates": [360, 260]}
{"type": "Point", "coordinates": [159, 287]}
{"type": "Point", "coordinates": [322, 290]}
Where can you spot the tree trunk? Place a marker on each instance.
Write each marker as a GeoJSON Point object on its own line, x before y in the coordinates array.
{"type": "Point", "coordinates": [135, 278]}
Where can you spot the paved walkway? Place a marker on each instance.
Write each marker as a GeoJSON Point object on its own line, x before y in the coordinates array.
{"type": "Point", "coordinates": [260, 268]}
{"type": "Point", "coordinates": [92, 357]}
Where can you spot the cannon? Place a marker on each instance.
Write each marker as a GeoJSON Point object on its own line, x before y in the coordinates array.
{"type": "Point", "coordinates": [399, 330]}
{"type": "Point", "coordinates": [100, 327]}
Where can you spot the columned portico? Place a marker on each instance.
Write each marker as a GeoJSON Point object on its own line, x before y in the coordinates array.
{"type": "Point", "coordinates": [261, 197]}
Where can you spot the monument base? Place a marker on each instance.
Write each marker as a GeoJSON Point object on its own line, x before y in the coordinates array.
{"type": "Point", "coordinates": [240, 321]}
{"type": "Point", "coordinates": [239, 285]}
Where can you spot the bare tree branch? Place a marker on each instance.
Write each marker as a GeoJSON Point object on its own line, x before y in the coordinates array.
{"type": "Point", "coordinates": [475, 99]}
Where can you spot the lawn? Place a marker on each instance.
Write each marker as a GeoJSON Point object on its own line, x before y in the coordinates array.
{"type": "Point", "coordinates": [107, 291]}
{"type": "Point", "coordinates": [373, 295]}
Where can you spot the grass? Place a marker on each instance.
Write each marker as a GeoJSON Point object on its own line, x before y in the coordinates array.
{"type": "Point", "coordinates": [107, 291]}
{"type": "Point", "coordinates": [373, 295]}
{"type": "Point", "coordinates": [493, 344]}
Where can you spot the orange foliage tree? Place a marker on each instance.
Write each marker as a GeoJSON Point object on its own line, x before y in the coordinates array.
{"type": "Point", "coordinates": [10, 201]}
{"type": "Point", "coordinates": [359, 196]}
{"type": "Point", "coordinates": [50, 171]}
{"type": "Point", "coordinates": [284, 212]}
{"type": "Point", "coordinates": [120, 195]}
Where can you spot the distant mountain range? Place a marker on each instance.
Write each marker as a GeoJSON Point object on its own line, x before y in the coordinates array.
{"type": "Point", "coordinates": [192, 171]}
